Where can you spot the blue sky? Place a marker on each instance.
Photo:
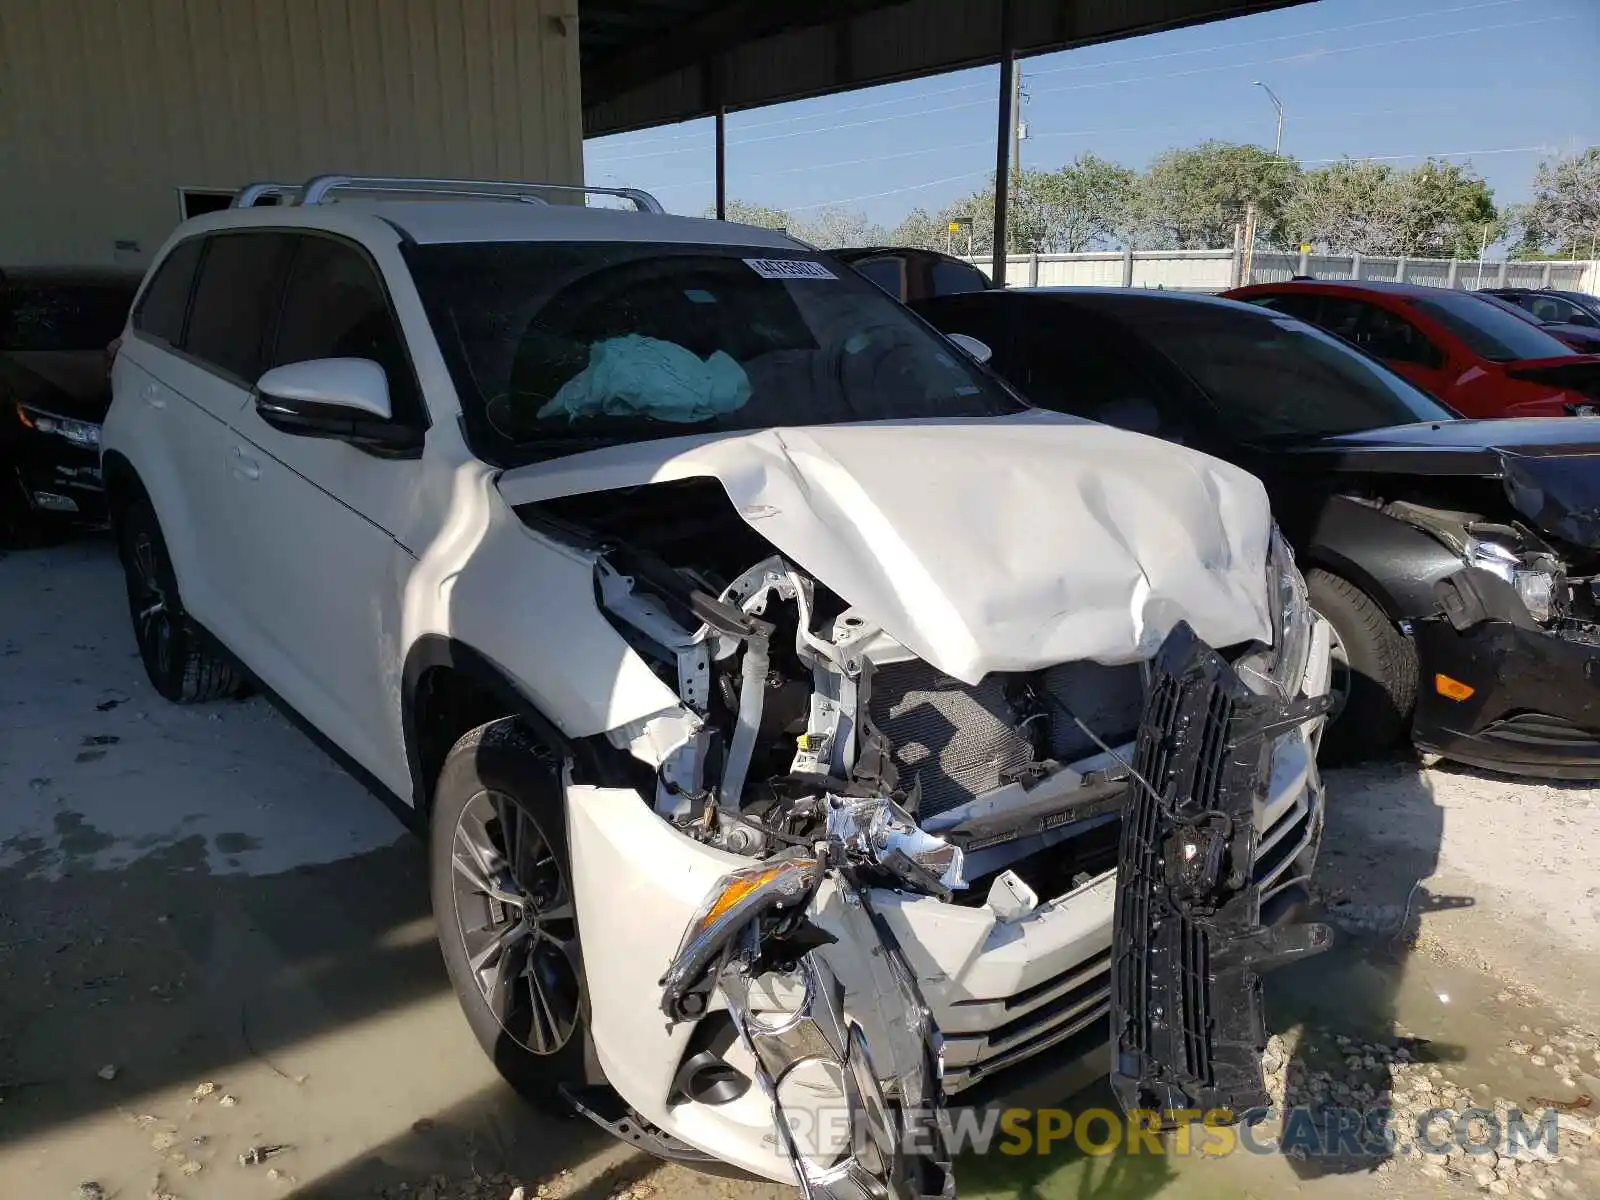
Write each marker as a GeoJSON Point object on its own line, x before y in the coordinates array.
{"type": "Point", "coordinates": [1492, 81]}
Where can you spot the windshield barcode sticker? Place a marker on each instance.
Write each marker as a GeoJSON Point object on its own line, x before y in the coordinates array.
{"type": "Point", "coordinates": [788, 268]}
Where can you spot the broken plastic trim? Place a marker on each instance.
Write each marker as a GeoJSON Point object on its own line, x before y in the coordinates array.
{"type": "Point", "coordinates": [894, 1145]}
{"type": "Point", "coordinates": [877, 830]}
{"type": "Point", "coordinates": [1188, 946]}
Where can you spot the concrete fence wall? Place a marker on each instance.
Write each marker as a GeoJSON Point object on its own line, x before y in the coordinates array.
{"type": "Point", "coordinates": [1218, 270]}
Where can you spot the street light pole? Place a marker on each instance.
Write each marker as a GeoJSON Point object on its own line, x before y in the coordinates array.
{"type": "Point", "coordinates": [1277, 142]}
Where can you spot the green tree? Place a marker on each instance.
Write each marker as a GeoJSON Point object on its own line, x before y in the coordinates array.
{"type": "Point", "coordinates": [1564, 214]}
{"type": "Point", "coordinates": [921, 228]}
{"type": "Point", "coordinates": [836, 226]}
{"type": "Point", "coordinates": [1093, 201]}
{"type": "Point", "coordinates": [1446, 211]}
{"type": "Point", "coordinates": [745, 213]}
{"type": "Point", "coordinates": [1081, 206]}
{"type": "Point", "coordinates": [1349, 207]}
{"type": "Point", "coordinates": [1191, 199]}
{"type": "Point", "coordinates": [1437, 210]}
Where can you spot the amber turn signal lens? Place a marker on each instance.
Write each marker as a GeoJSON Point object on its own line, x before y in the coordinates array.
{"type": "Point", "coordinates": [1452, 689]}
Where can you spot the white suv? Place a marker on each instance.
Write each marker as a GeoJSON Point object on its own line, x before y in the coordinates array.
{"type": "Point", "coordinates": [780, 692]}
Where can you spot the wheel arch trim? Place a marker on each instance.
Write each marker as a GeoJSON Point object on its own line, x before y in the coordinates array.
{"type": "Point", "coordinates": [432, 651]}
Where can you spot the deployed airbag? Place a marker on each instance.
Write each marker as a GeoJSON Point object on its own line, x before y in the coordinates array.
{"type": "Point", "coordinates": [640, 376]}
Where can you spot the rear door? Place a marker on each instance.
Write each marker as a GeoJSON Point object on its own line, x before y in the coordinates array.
{"type": "Point", "coordinates": [195, 354]}
{"type": "Point", "coordinates": [329, 523]}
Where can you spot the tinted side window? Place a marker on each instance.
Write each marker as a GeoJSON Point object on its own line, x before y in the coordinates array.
{"type": "Point", "coordinates": [336, 307]}
{"type": "Point", "coordinates": [888, 273]}
{"type": "Point", "coordinates": [236, 301]}
{"type": "Point", "coordinates": [165, 302]}
{"type": "Point", "coordinates": [1296, 304]}
{"type": "Point", "coordinates": [952, 278]}
{"type": "Point", "coordinates": [984, 319]}
{"type": "Point", "coordinates": [1082, 365]}
{"type": "Point", "coordinates": [1378, 331]}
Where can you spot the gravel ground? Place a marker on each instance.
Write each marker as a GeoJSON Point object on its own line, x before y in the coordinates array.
{"type": "Point", "coordinates": [220, 979]}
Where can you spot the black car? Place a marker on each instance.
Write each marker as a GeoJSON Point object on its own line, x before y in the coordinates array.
{"type": "Point", "coordinates": [1582, 335]}
{"type": "Point", "coordinates": [910, 274]}
{"type": "Point", "coordinates": [1554, 307]}
{"type": "Point", "coordinates": [1457, 561]}
{"type": "Point", "coordinates": [55, 329]}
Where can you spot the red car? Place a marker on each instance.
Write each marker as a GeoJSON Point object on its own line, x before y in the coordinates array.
{"type": "Point", "coordinates": [1474, 357]}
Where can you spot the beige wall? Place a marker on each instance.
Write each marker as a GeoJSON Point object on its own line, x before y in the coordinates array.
{"type": "Point", "coordinates": [107, 107]}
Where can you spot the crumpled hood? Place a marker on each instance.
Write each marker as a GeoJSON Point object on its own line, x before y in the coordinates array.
{"type": "Point", "coordinates": [1006, 544]}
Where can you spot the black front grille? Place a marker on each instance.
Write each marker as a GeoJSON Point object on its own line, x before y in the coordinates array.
{"type": "Point", "coordinates": [1186, 1010]}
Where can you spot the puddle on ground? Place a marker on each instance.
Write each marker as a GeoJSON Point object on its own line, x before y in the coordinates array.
{"type": "Point", "coordinates": [1336, 1015]}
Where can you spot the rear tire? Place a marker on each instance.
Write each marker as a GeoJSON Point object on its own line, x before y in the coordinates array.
{"type": "Point", "coordinates": [1379, 671]}
{"type": "Point", "coordinates": [181, 667]}
{"type": "Point", "coordinates": [501, 882]}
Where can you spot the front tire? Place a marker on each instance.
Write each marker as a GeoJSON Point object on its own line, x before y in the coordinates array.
{"type": "Point", "coordinates": [181, 667]}
{"type": "Point", "coordinates": [1375, 672]}
{"type": "Point", "coordinates": [501, 882]}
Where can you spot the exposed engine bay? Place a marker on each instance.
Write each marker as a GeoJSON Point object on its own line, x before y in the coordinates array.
{"type": "Point", "coordinates": [843, 766]}
{"type": "Point", "coordinates": [802, 719]}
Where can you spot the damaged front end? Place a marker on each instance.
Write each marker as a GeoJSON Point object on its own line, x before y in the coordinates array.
{"type": "Point", "coordinates": [1511, 656]}
{"type": "Point", "coordinates": [913, 871]}
{"type": "Point", "coordinates": [855, 1122]}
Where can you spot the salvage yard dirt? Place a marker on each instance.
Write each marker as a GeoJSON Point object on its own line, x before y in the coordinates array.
{"type": "Point", "coordinates": [218, 979]}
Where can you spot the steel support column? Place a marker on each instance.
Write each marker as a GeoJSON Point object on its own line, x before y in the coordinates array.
{"type": "Point", "coordinates": [1002, 150]}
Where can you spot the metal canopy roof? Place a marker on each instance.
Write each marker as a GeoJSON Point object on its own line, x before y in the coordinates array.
{"type": "Point", "coordinates": [655, 62]}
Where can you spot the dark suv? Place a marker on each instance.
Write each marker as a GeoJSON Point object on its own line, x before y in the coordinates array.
{"type": "Point", "coordinates": [56, 329]}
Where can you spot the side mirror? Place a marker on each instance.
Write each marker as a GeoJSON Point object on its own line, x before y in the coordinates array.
{"type": "Point", "coordinates": [1584, 319]}
{"type": "Point", "coordinates": [970, 346]}
{"type": "Point", "coordinates": [346, 399]}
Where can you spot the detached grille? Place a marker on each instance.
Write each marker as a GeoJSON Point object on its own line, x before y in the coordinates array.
{"type": "Point", "coordinates": [958, 741]}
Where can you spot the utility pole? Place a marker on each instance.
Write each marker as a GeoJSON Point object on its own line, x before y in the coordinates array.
{"type": "Point", "coordinates": [1016, 129]}
{"type": "Point", "coordinates": [1248, 267]}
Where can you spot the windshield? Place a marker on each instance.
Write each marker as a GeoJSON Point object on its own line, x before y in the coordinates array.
{"type": "Point", "coordinates": [1488, 330]}
{"type": "Point", "coordinates": [35, 317]}
{"type": "Point", "coordinates": [1276, 377]}
{"type": "Point", "coordinates": [557, 347]}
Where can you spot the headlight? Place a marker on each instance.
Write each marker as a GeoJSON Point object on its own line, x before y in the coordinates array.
{"type": "Point", "coordinates": [739, 899]}
{"type": "Point", "coordinates": [1539, 580]}
{"type": "Point", "coordinates": [1291, 615]}
{"type": "Point", "coordinates": [79, 433]}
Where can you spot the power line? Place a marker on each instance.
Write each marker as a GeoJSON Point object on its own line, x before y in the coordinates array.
{"type": "Point", "coordinates": [1281, 37]}
{"type": "Point", "coordinates": [983, 142]}
{"type": "Point", "coordinates": [1314, 56]}
{"type": "Point", "coordinates": [1046, 70]}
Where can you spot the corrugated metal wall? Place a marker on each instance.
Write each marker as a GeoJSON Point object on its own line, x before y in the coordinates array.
{"type": "Point", "coordinates": [107, 107]}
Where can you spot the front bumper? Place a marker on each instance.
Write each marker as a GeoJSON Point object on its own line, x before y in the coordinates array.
{"type": "Point", "coordinates": [1032, 991]}
{"type": "Point", "coordinates": [59, 482]}
{"type": "Point", "coordinates": [1535, 704]}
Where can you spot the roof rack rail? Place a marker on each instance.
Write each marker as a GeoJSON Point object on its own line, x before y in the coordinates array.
{"type": "Point", "coordinates": [316, 190]}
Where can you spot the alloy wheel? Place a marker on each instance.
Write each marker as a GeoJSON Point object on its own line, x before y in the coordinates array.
{"type": "Point", "coordinates": [1338, 674]}
{"type": "Point", "coordinates": [515, 917]}
{"type": "Point", "coordinates": [152, 617]}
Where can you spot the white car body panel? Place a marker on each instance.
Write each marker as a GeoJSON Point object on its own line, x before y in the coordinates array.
{"type": "Point", "coordinates": [980, 546]}
{"type": "Point", "coordinates": [996, 545]}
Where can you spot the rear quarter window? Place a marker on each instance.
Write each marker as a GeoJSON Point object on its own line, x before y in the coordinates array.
{"type": "Point", "coordinates": [165, 303]}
